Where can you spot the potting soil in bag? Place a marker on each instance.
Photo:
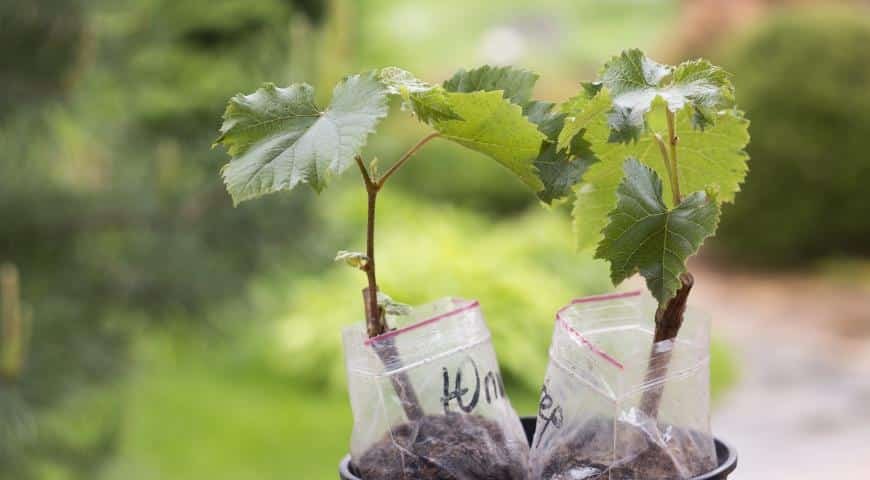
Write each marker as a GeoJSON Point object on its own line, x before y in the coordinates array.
{"type": "Point", "coordinates": [428, 399]}
{"type": "Point", "coordinates": [597, 417]}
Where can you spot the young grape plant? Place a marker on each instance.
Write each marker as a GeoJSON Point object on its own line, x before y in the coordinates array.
{"type": "Point", "coordinates": [279, 137]}
{"type": "Point", "coordinates": [639, 123]}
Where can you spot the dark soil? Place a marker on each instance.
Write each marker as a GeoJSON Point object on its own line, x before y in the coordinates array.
{"type": "Point", "coordinates": [445, 447]}
{"type": "Point", "coordinates": [684, 458]}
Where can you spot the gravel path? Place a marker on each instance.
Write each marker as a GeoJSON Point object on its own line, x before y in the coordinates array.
{"type": "Point", "coordinates": [801, 410]}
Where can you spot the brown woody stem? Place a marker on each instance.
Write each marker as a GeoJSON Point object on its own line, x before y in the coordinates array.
{"type": "Point", "coordinates": [669, 319]}
{"type": "Point", "coordinates": [376, 323]}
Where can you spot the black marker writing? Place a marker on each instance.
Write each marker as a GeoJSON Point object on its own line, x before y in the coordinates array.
{"type": "Point", "coordinates": [554, 417]}
{"type": "Point", "coordinates": [493, 386]}
{"type": "Point", "coordinates": [458, 392]}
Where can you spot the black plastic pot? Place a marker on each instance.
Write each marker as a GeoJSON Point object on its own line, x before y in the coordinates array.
{"type": "Point", "coordinates": [727, 458]}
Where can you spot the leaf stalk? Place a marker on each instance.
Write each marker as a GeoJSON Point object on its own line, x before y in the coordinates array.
{"type": "Point", "coordinates": [667, 159]}
{"type": "Point", "coordinates": [410, 153]}
{"type": "Point", "coordinates": [673, 140]}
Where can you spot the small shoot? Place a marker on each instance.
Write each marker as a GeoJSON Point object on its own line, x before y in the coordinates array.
{"type": "Point", "coordinates": [353, 259]}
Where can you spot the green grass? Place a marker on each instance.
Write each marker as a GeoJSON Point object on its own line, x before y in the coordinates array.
{"type": "Point", "coordinates": [187, 417]}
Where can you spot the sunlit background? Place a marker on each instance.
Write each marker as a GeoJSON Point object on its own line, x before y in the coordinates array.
{"type": "Point", "coordinates": [151, 330]}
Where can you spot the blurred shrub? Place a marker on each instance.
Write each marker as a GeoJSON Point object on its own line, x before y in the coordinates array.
{"type": "Point", "coordinates": [803, 80]}
{"type": "Point", "coordinates": [181, 61]}
{"type": "Point", "coordinates": [40, 48]}
{"type": "Point", "coordinates": [112, 207]}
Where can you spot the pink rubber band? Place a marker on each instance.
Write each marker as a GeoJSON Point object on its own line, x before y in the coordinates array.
{"type": "Point", "coordinates": [598, 298]}
{"type": "Point", "coordinates": [579, 336]}
{"type": "Point", "coordinates": [590, 345]}
{"type": "Point", "coordinates": [607, 296]}
{"type": "Point", "coordinates": [392, 333]}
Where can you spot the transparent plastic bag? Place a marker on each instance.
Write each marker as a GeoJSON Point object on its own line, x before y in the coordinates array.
{"type": "Point", "coordinates": [595, 419]}
{"type": "Point", "coordinates": [456, 422]}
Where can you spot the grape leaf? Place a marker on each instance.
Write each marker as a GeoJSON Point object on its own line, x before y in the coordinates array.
{"type": "Point", "coordinates": [705, 86]}
{"type": "Point", "coordinates": [635, 81]}
{"type": "Point", "coordinates": [278, 137]}
{"type": "Point", "coordinates": [516, 83]}
{"type": "Point", "coordinates": [497, 128]}
{"type": "Point", "coordinates": [566, 155]}
{"type": "Point", "coordinates": [589, 106]}
{"type": "Point", "coordinates": [712, 157]}
{"type": "Point", "coordinates": [555, 173]}
{"type": "Point", "coordinates": [352, 259]}
{"type": "Point", "coordinates": [428, 102]}
{"type": "Point", "coordinates": [432, 105]}
{"type": "Point", "coordinates": [398, 81]}
{"type": "Point", "coordinates": [557, 170]}
{"type": "Point", "coordinates": [392, 307]}
{"type": "Point", "coordinates": [645, 236]}
{"type": "Point", "coordinates": [541, 113]}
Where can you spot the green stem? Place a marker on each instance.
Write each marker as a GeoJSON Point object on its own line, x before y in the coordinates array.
{"type": "Point", "coordinates": [673, 139]}
{"type": "Point", "coordinates": [667, 159]}
{"type": "Point", "coordinates": [410, 153]}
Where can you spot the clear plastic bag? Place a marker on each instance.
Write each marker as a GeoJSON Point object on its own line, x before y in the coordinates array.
{"type": "Point", "coordinates": [595, 419]}
{"type": "Point", "coordinates": [455, 422]}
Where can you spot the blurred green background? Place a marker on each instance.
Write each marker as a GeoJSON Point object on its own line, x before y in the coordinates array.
{"type": "Point", "coordinates": [165, 334]}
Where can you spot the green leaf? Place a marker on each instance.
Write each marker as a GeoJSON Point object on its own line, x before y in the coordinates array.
{"type": "Point", "coordinates": [645, 236]}
{"type": "Point", "coordinates": [566, 155]}
{"type": "Point", "coordinates": [399, 81]}
{"type": "Point", "coordinates": [556, 168]}
{"type": "Point", "coordinates": [353, 259]}
{"type": "Point", "coordinates": [497, 128]}
{"type": "Point", "coordinates": [635, 81]}
{"type": "Point", "coordinates": [555, 173]}
{"type": "Point", "coordinates": [541, 114]}
{"type": "Point", "coordinates": [392, 307]}
{"type": "Point", "coordinates": [278, 137]}
{"type": "Point", "coordinates": [516, 83]}
{"type": "Point", "coordinates": [559, 172]}
{"type": "Point", "coordinates": [714, 157]}
{"type": "Point", "coordinates": [429, 103]}
{"type": "Point", "coordinates": [432, 106]}
{"type": "Point", "coordinates": [706, 87]}
{"type": "Point", "coordinates": [580, 111]}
